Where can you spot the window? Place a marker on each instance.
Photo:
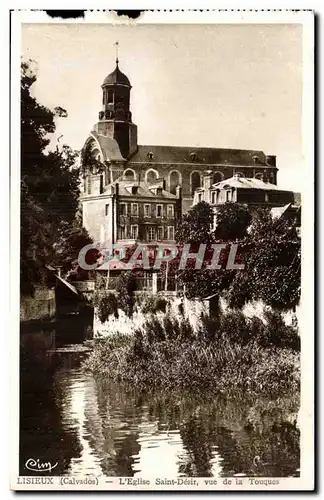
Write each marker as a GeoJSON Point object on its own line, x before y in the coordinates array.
{"type": "Point", "coordinates": [135, 209]}
{"type": "Point", "coordinates": [134, 189]}
{"type": "Point", "coordinates": [147, 210]}
{"type": "Point", "coordinates": [160, 233]}
{"type": "Point", "coordinates": [110, 98]}
{"type": "Point", "coordinates": [199, 197]}
{"type": "Point", "coordinates": [151, 233]}
{"type": "Point", "coordinates": [213, 197]}
{"type": "Point", "coordinates": [229, 195]}
{"type": "Point", "coordinates": [195, 181]}
{"type": "Point", "coordinates": [123, 209]}
{"type": "Point", "coordinates": [217, 177]}
{"type": "Point", "coordinates": [170, 211]}
{"type": "Point", "coordinates": [122, 232]}
{"type": "Point", "coordinates": [159, 210]}
{"type": "Point", "coordinates": [107, 210]}
{"type": "Point", "coordinates": [89, 185]}
{"type": "Point", "coordinates": [129, 174]}
{"type": "Point", "coordinates": [174, 181]}
{"type": "Point", "coordinates": [170, 233]}
{"type": "Point", "coordinates": [150, 155]}
{"type": "Point", "coordinates": [134, 232]}
{"type": "Point", "coordinates": [101, 187]}
{"type": "Point", "coordinates": [266, 197]}
{"type": "Point", "coordinates": [151, 176]}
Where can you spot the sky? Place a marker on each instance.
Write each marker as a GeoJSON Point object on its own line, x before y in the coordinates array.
{"type": "Point", "coordinates": [217, 85]}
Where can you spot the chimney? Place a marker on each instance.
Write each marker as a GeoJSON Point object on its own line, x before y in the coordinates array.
{"type": "Point", "coordinates": [208, 179]}
{"type": "Point", "coordinates": [271, 160]}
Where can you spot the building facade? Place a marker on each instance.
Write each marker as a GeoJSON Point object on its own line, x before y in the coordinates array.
{"type": "Point", "coordinates": [111, 154]}
{"type": "Point", "coordinates": [130, 212]}
{"type": "Point", "coordinates": [240, 189]}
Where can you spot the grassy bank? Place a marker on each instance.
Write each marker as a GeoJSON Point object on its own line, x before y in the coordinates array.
{"type": "Point", "coordinates": [227, 353]}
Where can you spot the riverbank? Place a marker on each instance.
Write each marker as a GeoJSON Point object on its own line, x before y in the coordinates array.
{"type": "Point", "coordinates": [228, 353]}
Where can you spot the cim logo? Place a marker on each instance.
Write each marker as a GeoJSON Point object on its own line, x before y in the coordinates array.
{"type": "Point", "coordinates": [36, 465]}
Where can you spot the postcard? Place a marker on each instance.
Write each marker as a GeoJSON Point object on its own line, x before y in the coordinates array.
{"type": "Point", "coordinates": [162, 294]}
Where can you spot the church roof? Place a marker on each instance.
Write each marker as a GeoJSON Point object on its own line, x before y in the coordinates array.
{"type": "Point", "coordinates": [116, 77]}
{"type": "Point", "coordinates": [144, 189]}
{"type": "Point", "coordinates": [109, 147]}
{"type": "Point", "coordinates": [245, 183]}
{"type": "Point", "coordinates": [186, 154]}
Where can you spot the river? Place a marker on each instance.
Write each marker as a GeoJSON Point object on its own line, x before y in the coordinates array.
{"type": "Point", "coordinates": [90, 426]}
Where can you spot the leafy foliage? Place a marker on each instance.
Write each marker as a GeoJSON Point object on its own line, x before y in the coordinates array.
{"type": "Point", "coordinates": [232, 221]}
{"type": "Point", "coordinates": [105, 304]}
{"type": "Point", "coordinates": [195, 226]}
{"type": "Point", "coordinates": [269, 248]}
{"type": "Point", "coordinates": [49, 185]}
{"type": "Point", "coordinates": [72, 239]}
{"type": "Point", "coordinates": [230, 352]}
{"type": "Point", "coordinates": [151, 304]}
{"type": "Point", "coordinates": [125, 292]}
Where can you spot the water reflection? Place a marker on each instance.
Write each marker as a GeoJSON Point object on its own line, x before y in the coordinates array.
{"type": "Point", "coordinates": [90, 426]}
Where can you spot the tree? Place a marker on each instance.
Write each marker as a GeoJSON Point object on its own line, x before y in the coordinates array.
{"type": "Point", "coordinates": [269, 248]}
{"type": "Point", "coordinates": [72, 239]}
{"type": "Point", "coordinates": [49, 185]}
{"type": "Point", "coordinates": [274, 264]}
{"type": "Point", "coordinates": [195, 226]}
{"type": "Point", "coordinates": [232, 221]}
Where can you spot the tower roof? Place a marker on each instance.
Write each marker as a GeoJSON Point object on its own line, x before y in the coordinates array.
{"type": "Point", "coordinates": [116, 78]}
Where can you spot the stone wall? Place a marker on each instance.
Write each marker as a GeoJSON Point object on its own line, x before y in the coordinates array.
{"type": "Point", "coordinates": [41, 306]}
{"type": "Point", "coordinates": [192, 309]}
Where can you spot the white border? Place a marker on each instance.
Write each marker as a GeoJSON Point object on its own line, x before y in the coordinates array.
{"type": "Point", "coordinates": [306, 18]}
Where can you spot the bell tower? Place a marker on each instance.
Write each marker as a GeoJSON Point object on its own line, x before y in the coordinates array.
{"type": "Point", "coordinates": [115, 118]}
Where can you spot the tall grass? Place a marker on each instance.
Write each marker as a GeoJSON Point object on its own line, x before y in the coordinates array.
{"type": "Point", "coordinates": [227, 353]}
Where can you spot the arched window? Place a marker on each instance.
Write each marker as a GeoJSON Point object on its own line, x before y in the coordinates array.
{"type": "Point", "coordinates": [195, 181]}
{"type": "Point", "coordinates": [259, 176]}
{"type": "Point", "coordinates": [151, 176]}
{"type": "Point", "coordinates": [129, 174]}
{"type": "Point", "coordinates": [239, 174]}
{"type": "Point", "coordinates": [174, 181]}
{"type": "Point", "coordinates": [217, 177]}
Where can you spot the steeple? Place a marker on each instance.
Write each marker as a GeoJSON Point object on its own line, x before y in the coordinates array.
{"type": "Point", "coordinates": [116, 45]}
{"type": "Point", "coordinates": [115, 118]}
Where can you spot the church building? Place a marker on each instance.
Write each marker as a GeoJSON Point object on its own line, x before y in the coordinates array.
{"type": "Point", "coordinates": [111, 156]}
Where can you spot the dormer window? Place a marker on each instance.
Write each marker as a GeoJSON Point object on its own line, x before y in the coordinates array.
{"type": "Point", "coordinates": [158, 191]}
{"type": "Point", "coordinates": [255, 159]}
{"type": "Point", "coordinates": [193, 156]}
{"type": "Point", "coordinates": [150, 155]}
{"type": "Point", "coordinates": [134, 189]}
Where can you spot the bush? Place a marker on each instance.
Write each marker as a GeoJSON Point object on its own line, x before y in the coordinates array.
{"type": "Point", "coordinates": [151, 304]}
{"type": "Point", "coordinates": [227, 353]}
{"type": "Point", "coordinates": [106, 305]}
{"type": "Point", "coordinates": [278, 333]}
{"type": "Point", "coordinates": [125, 292]}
